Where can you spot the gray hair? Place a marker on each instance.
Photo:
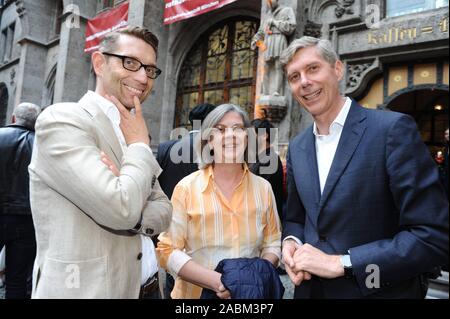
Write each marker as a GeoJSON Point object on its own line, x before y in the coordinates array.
{"type": "Point", "coordinates": [324, 47]}
{"type": "Point", "coordinates": [214, 117]}
{"type": "Point", "coordinates": [26, 114]}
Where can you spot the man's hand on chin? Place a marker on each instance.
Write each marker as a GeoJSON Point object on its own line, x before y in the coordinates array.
{"type": "Point", "coordinates": [133, 126]}
{"type": "Point", "coordinates": [314, 261]}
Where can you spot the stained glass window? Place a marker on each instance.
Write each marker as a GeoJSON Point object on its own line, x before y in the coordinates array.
{"type": "Point", "coordinates": [220, 68]}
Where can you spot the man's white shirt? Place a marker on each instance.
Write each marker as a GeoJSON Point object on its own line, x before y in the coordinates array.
{"type": "Point", "coordinates": [149, 261]}
{"type": "Point", "coordinates": [326, 145]}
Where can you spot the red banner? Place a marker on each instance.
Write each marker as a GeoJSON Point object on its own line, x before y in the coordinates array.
{"type": "Point", "coordinates": [176, 10]}
{"type": "Point", "coordinates": [104, 23]}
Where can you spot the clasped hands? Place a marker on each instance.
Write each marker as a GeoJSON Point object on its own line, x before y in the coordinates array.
{"type": "Point", "coordinates": [303, 261]}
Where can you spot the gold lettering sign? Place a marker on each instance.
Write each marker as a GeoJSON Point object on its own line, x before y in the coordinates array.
{"type": "Point", "coordinates": [392, 35]}
{"type": "Point", "coordinates": [396, 34]}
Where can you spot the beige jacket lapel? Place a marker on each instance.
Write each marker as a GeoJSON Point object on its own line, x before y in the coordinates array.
{"type": "Point", "coordinates": [104, 126]}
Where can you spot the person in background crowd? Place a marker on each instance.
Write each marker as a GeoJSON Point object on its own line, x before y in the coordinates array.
{"type": "Point", "coordinates": [16, 224]}
{"type": "Point", "coordinates": [443, 170]}
{"type": "Point", "coordinates": [443, 167]}
{"type": "Point", "coordinates": [268, 164]}
{"type": "Point", "coordinates": [221, 211]}
{"type": "Point", "coordinates": [2, 268]}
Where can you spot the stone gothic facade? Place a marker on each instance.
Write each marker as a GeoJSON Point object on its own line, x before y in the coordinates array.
{"type": "Point", "coordinates": [42, 59]}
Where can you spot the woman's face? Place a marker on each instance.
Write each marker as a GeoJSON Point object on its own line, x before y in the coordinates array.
{"type": "Point", "coordinates": [229, 139]}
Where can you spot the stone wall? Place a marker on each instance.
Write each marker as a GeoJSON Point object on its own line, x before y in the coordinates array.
{"type": "Point", "coordinates": [8, 69]}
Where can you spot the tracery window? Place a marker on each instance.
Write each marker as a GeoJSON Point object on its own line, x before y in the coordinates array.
{"type": "Point", "coordinates": [220, 68]}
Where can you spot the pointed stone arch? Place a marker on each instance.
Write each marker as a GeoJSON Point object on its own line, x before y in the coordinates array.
{"type": "Point", "coordinates": [49, 89]}
{"type": "Point", "coordinates": [210, 72]}
{"type": "Point", "coordinates": [182, 36]}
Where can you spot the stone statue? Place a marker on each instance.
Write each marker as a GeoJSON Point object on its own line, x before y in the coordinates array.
{"type": "Point", "coordinates": [272, 38]}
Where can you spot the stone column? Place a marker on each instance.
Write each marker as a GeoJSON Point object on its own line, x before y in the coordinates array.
{"type": "Point", "coordinates": [157, 118]}
{"type": "Point", "coordinates": [31, 71]}
{"type": "Point", "coordinates": [74, 65]}
{"type": "Point", "coordinates": [149, 14]}
{"type": "Point", "coordinates": [34, 30]}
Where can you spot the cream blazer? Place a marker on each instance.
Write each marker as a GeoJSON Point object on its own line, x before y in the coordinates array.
{"type": "Point", "coordinates": [83, 213]}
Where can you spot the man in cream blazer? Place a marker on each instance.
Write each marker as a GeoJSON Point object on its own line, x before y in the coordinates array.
{"type": "Point", "coordinates": [90, 217]}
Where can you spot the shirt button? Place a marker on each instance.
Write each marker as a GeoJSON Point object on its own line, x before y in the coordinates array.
{"type": "Point", "coordinates": [322, 238]}
{"type": "Point", "coordinates": [139, 256]}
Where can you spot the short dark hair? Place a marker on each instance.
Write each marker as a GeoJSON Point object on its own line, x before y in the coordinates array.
{"type": "Point", "coordinates": [263, 124]}
{"type": "Point", "coordinates": [109, 42]}
{"type": "Point", "coordinates": [200, 112]}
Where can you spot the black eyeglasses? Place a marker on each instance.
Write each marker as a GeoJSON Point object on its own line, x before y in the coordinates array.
{"type": "Point", "coordinates": [131, 64]}
{"type": "Point", "coordinates": [236, 129]}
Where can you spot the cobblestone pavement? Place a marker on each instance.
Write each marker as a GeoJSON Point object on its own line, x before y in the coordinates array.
{"type": "Point", "coordinates": [288, 287]}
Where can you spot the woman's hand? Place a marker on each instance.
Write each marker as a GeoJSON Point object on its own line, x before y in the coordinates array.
{"type": "Point", "coordinates": [223, 293]}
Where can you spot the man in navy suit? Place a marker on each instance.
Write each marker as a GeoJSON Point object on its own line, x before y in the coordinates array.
{"type": "Point", "coordinates": [366, 214]}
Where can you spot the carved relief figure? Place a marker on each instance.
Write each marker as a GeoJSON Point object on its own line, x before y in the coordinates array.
{"type": "Point", "coordinates": [272, 37]}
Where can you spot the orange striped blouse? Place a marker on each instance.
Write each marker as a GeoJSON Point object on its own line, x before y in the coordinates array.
{"type": "Point", "coordinates": [207, 228]}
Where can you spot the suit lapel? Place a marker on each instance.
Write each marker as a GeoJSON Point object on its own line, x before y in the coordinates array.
{"type": "Point", "coordinates": [308, 147]}
{"type": "Point", "coordinates": [102, 122]}
{"type": "Point", "coordinates": [312, 163]}
{"type": "Point", "coordinates": [352, 133]}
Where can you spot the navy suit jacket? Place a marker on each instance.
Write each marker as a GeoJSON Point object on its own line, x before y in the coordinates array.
{"type": "Point", "coordinates": [382, 202]}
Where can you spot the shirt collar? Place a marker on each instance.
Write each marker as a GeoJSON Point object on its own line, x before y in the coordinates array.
{"type": "Point", "coordinates": [340, 118]}
{"type": "Point", "coordinates": [106, 106]}
{"type": "Point", "coordinates": [208, 177]}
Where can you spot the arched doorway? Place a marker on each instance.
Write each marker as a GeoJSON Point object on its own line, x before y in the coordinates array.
{"type": "Point", "coordinates": [219, 68]}
{"type": "Point", "coordinates": [429, 107]}
{"type": "Point", "coordinates": [3, 103]}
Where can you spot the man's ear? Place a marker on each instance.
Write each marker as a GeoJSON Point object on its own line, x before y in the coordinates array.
{"type": "Point", "coordinates": [98, 62]}
{"type": "Point", "coordinates": [339, 69]}
{"type": "Point", "coordinates": [13, 119]}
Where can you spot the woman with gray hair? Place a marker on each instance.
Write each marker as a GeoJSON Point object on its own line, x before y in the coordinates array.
{"type": "Point", "coordinates": [221, 211]}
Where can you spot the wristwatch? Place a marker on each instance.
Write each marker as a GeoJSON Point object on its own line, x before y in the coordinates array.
{"type": "Point", "coordinates": [347, 264]}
